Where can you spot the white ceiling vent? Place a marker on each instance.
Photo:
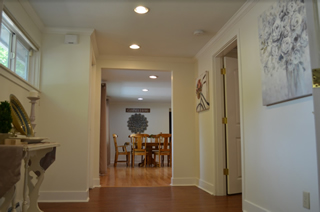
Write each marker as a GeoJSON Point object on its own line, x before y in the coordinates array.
{"type": "Point", "coordinates": [71, 39]}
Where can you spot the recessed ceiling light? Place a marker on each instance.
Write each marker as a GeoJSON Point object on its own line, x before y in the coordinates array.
{"type": "Point", "coordinates": [134, 46]}
{"type": "Point", "coordinates": [153, 77]}
{"type": "Point", "coordinates": [145, 90]}
{"type": "Point", "coordinates": [140, 99]}
{"type": "Point", "coordinates": [141, 10]}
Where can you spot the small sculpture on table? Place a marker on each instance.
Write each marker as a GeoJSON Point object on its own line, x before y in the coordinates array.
{"type": "Point", "coordinates": [33, 96]}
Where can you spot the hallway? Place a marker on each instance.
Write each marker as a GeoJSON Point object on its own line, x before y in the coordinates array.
{"type": "Point", "coordinates": [150, 199]}
{"type": "Point", "coordinates": [122, 176]}
{"type": "Point", "coordinates": [146, 190]}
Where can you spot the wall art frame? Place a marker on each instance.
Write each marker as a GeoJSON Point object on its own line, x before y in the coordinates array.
{"type": "Point", "coordinates": [202, 92]}
{"type": "Point", "coordinates": [137, 123]}
{"type": "Point", "coordinates": [284, 52]}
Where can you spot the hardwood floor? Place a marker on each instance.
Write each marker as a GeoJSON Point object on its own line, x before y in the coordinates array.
{"type": "Point", "coordinates": [146, 190]}
{"type": "Point", "coordinates": [149, 199]}
{"type": "Point", "coordinates": [122, 176]}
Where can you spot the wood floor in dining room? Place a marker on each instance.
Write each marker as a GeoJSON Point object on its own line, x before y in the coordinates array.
{"type": "Point", "coordinates": [148, 189]}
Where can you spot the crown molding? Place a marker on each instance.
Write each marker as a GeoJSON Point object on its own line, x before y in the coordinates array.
{"type": "Point", "coordinates": [66, 30]}
{"type": "Point", "coordinates": [246, 7]}
{"type": "Point", "coordinates": [33, 15]}
{"type": "Point", "coordinates": [148, 58]}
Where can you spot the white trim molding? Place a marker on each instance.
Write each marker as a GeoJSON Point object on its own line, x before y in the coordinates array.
{"type": "Point", "coordinates": [33, 15]}
{"type": "Point", "coordinates": [96, 183]}
{"type": "Point", "coordinates": [207, 187]}
{"type": "Point", "coordinates": [148, 58]}
{"type": "Point", "coordinates": [247, 6]}
{"type": "Point", "coordinates": [251, 207]}
{"type": "Point", "coordinates": [62, 31]}
{"type": "Point", "coordinates": [187, 181]}
{"type": "Point", "coordinates": [64, 196]}
{"type": "Point", "coordinates": [13, 77]}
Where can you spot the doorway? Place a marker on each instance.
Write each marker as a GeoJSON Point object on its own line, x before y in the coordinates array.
{"type": "Point", "coordinates": [227, 119]}
{"type": "Point", "coordinates": [124, 86]}
{"type": "Point", "coordinates": [232, 123]}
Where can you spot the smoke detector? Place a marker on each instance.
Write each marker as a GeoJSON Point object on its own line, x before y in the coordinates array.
{"type": "Point", "coordinates": [198, 32]}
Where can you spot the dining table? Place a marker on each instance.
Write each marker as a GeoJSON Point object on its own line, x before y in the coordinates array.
{"type": "Point", "coordinates": [151, 145]}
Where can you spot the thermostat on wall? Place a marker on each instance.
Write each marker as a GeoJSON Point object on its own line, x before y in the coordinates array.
{"type": "Point", "coordinates": [71, 39]}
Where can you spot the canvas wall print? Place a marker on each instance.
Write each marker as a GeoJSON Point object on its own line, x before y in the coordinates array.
{"type": "Point", "coordinates": [284, 52]}
{"type": "Point", "coordinates": [202, 92]}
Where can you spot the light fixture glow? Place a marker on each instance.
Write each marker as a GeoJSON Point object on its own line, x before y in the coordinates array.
{"type": "Point", "coordinates": [134, 46]}
{"type": "Point", "coordinates": [140, 99]}
{"type": "Point", "coordinates": [145, 90]}
{"type": "Point", "coordinates": [153, 77]}
{"type": "Point", "coordinates": [141, 10]}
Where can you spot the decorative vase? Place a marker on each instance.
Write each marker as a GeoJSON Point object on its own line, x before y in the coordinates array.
{"type": "Point", "coordinates": [4, 136]}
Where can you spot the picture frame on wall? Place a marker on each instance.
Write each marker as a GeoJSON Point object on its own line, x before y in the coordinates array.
{"type": "Point", "coordinates": [202, 92]}
{"type": "Point", "coordinates": [284, 52]}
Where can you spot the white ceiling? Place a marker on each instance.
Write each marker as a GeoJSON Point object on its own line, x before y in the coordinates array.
{"type": "Point", "coordinates": [165, 31]}
{"type": "Point", "coordinates": [127, 85]}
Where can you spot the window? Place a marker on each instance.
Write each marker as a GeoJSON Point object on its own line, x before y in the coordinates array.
{"type": "Point", "coordinates": [5, 43]}
{"type": "Point", "coordinates": [15, 48]}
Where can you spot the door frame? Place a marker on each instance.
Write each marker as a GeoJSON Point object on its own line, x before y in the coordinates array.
{"type": "Point", "coordinates": [219, 128]}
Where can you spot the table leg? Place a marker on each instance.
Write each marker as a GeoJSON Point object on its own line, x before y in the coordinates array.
{"type": "Point", "coordinates": [33, 165]}
{"type": "Point", "coordinates": [13, 202]}
{"type": "Point", "coordinates": [25, 185]}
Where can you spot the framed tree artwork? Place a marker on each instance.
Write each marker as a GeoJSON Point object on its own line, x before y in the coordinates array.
{"type": "Point", "coordinates": [202, 92]}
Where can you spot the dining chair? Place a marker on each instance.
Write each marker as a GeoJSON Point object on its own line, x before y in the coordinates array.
{"type": "Point", "coordinates": [123, 152]}
{"type": "Point", "coordinates": [139, 142]}
{"type": "Point", "coordinates": [131, 136]}
{"type": "Point", "coordinates": [164, 148]}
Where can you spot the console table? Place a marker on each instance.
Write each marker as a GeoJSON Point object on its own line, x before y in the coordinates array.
{"type": "Point", "coordinates": [37, 157]}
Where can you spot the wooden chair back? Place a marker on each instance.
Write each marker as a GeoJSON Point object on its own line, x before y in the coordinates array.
{"type": "Point", "coordinates": [165, 140]}
{"type": "Point", "coordinates": [139, 141]}
{"type": "Point", "coordinates": [139, 146]}
{"type": "Point", "coordinates": [115, 136]}
{"type": "Point", "coordinates": [157, 140]}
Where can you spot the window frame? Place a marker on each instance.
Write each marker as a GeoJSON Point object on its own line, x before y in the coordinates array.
{"type": "Point", "coordinates": [34, 55]}
{"type": "Point", "coordinates": [16, 36]}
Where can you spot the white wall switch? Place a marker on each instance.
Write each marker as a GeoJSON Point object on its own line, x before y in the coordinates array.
{"type": "Point", "coordinates": [306, 200]}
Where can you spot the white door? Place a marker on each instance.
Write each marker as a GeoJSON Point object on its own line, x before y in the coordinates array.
{"type": "Point", "coordinates": [233, 135]}
{"type": "Point", "coordinates": [313, 21]}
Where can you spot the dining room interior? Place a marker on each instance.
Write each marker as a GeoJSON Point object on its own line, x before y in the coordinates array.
{"type": "Point", "coordinates": [135, 104]}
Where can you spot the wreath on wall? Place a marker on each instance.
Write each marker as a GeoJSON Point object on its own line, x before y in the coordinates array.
{"type": "Point", "coordinates": [137, 123]}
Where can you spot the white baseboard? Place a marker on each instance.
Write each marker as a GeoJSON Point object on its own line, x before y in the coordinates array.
{"type": "Point", "coordinates": [251, 207]}
{"type": "Point", "coordinates": [207, 187]}
{"type": "Point", "coordinates": [184, 181]}
{"type": "Point", "coordinates": [96, 183]}
{"type": "Point", "coordinates": [64, 196]}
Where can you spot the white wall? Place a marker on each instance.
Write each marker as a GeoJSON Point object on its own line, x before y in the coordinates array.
{"type": "Point", "coordinates": [278, 142]}
{"type": "Point", "coordinates": [63, 116]}
{"type": "Point", "coordinates": [185, 142]}
{"type": "Point", "coordinates": [158, 120]}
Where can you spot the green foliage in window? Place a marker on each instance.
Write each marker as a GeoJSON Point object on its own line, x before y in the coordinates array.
{"type": "Point", "coordinates": [5, 117]}
{"type": "Point", "coordinates": [3, 56]}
